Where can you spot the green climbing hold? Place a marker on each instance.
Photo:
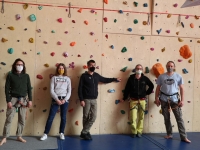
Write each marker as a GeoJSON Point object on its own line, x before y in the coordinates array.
{"type": "Point", "coordinates": [124, 49]}
{"type": "Point", "coordinates": [38, 53]}
{"type": "Point", "coordinates": [135, 3]}
{"type": "Point", "coordinates": [142, 37]}
{"type": "Point", "coordinates": [32, 17]}
{"type": "Point", "coordinates": [124, 69]}
{"type": "Point", "coordinates": [135, 21]}
{"type": "Point", "coordinates": [10, 50]}
{"type": "Point", "coordinates": [146, 70]}
{"type": "Point", "coordinates": [123, 112]}
{"type": "Point", "coordinates": [52, 31]}
{"type": "Point", "coordinates": [115, 20]}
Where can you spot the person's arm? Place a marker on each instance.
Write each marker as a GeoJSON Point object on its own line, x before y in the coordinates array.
{"type": "Point", "coordinates": [157, 101]}
{"type": "Point", "coordinates": [52, 89]}
{"type": "Point", "coordinates": [7, 89]}
{"type": "Point", "coordinates": [80, 91]}
{"type": "Point", "coordinates": [107, 80]}
{"type": "Point", "coordinates": [150, 86]}
{"type": "Point", "coordinates": [29, 91]}
{"type": "Point", "coordinates": [127, 89]}
{"type": "Point", "coordinates": [68, 89]}
{"type": "Point", "coordinates": [182, 95]}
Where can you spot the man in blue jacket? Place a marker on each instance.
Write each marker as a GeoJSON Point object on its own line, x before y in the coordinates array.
{"type": "Point", "coordinates": [88, 92]}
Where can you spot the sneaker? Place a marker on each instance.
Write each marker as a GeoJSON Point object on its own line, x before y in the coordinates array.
{"type": "Point", "coordinates": [85, 136]}
{"type": "Point", "coordinates": [89, 135]}
{"type": "Point", "coordinates": [133, 135]}
{"type": "Point", "coordinates": [62, 136]}
{"type": "Point", "coordinates": [44, 137]}
{"type": "Point", "coordinates": [139, 135]}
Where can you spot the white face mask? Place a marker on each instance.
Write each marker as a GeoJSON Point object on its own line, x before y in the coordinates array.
{"type": "Point", "coordinates": [19, 68]}
{"type": "Point", "coordinates": [138, 71]}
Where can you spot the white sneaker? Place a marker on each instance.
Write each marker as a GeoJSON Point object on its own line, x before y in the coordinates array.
{"type": "Point", "coordinates": [44, 137]}
{"type": "Point", "coordinates": [62, 136]}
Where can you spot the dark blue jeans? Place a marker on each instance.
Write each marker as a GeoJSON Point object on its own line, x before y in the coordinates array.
{"type": "Point", "coordinates": [52, 113]}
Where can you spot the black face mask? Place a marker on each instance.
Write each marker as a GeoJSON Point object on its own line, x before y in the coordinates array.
{"type": "Point", "coordinates": [92, 69]}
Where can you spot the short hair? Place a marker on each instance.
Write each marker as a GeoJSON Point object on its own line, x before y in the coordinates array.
{"type": "Point", "coordinates": [65, 69]}
{"type": "Point", "coordinates": [171, 62]}
{"type": "Point", "coordinates": [14, 66]}
{"type": "Point", "coordinates": [138, 65]}
{"type": "Point", "coordinates": [90, 61]}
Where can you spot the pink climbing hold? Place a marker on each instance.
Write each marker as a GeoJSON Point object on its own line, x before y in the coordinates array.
{"type": "Point", "coordinates": [66, 32]}
{"type": "Point", "coordinates": [168, 31]}
{"type": "Point", "coordinates": [180, 60]}
{"type": "Point", "coordinates": [152, 49]}
{"type": "Point", "coordinates": [91, 56]}
{"type": "Point", "coordinates": [39, 76]}
{"type": "Point", "coordinates": [60, 20]}
{"type": "Point", "coordinates": [65, 54]}
{"type": "Point", "coordinates": [186, 17]}
{"type": "Point", "coordinates": [59, 43]}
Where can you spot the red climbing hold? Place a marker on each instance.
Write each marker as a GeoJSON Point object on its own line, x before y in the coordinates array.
{"type": "Point", "coordinates": [39, 76]}
{"type": "Point", "coordinates": [52, 54]}
{"type": "Point", "coordinates": [106, 36]}
{"type": "Point", "coordinates": [60, 20]}
{"type": "Point", "coordinates": [105, 19]}
{"type": "Point", "coordinates": [70, 110]}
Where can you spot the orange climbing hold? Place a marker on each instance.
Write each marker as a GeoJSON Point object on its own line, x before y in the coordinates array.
{"type": "Point", "coordinates": [76, 123]}
{"type": "Point", "coordinates": [86, 22]}
{"type": "Point", "coordinates": [158, 69]}
{"type": "Point", "coordinates": [80, 10]}
{"type": "Point", "coordinates": [192, 25]}
{"type": "Point", "coordinates": [185, 52]}
{"type": "Point", "coordinates": [106, 1]}
{"type": "Point", "coordinates": [85, 67]}
{"type": "Point", "coordinates": [72, 43]}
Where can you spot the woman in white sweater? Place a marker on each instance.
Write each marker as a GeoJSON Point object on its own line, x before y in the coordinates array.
{"type": "Point", "coordinates": [60, 89]}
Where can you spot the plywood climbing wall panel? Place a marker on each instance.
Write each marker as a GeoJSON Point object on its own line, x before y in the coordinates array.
{"type": "Point", "coordinates": [125, 17]}
{"type": "Point", "coordinates": [115, 60]}
{"type": "Point", "coordinates": [172, 53]}
{"type": "Point", "coordinates": [169, 19]}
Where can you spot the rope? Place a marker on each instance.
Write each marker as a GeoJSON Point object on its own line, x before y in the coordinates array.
{"type": "Point", "coordinates": [69, 15]}
{"type": "Point", "coordinates": [2, 7]}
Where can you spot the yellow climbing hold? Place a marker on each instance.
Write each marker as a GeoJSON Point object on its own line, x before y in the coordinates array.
{"type": "Point", "coordinates": [46, 65]}
{"type": "Point", "coordinates": [180, 40]}
{"type": "Point", "coordinates": [25, 6]}
{"type": "Point", "coordinates": [31, 40]}
{"type": "Point", "coordinates": [11, 28]}
{"type": "Point", "coordinates": [196, 17]}
{"type": "Point", "coordinates": [4, 40]}
{"type": "Point", "coordinates": [144, 23]}
{"type": "Point", "coordinates": [190, 61]}
{"type": "Point", "coordinates": [163, 49]}
{"type": "Point", "coordinates": [198, 41]}
{"type": "Point", "coordinates": [160, 111]}
{"type": "Point", "coordinates": [169, 16]}
{"type": "Point", "coordinates": [177, 33]}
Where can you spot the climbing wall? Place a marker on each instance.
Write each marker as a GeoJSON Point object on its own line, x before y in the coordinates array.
{"type": "Point", "coordinates": [117, 34]}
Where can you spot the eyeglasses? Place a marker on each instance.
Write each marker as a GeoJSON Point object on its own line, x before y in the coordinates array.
{"type": "Point", "coordinates": [19, 65]}
{"type": "Point", "coordinates": [138, 68]}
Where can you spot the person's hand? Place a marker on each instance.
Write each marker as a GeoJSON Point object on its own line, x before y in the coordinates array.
{"type": "Point", "coordinates": [180, 104]}
{"type": "Point", "coordinates": [63, 101]}
{"type": "Point", "coordinates": [157, 102]}
{"type": "Point", "coordinates": [119, 79]}
{"type": "Point", "coordinates": [82, 103]}
{"type": "Point", "coordinates": [9, 105]}
{"type": "Point", "coordinates": [121, 100]}
{"type": "Point", "coordinates": [29, 104]}
{"type": "Point", "coordinates": [58, 102]}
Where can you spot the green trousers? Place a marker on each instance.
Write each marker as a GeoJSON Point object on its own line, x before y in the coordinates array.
{"type": "Point", "coordinates": [137, 116]}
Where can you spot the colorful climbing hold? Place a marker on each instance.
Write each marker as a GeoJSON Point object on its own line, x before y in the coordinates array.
{"type": "Point", "coordinates": [111, 91]}
{"type": "Point", "coordinates": [52, 31]}
{"type": "Point", "coordinates": [60, 20]}
{"type": "Point", "coordinates": [105, 19]}
{"type": "Point", "coordinates": [117, 102]}
{"type": "Point", "coordinates": [31, 40]}
{"type": "Point", "coordinates": [25, 6]}
{"type": "Point", "coordinates": [185, 71]}
{"type": "Point", "coordinates": [38, 53]}
{"type": "Point", "coordinates": [32, 17]}
{"type": "Point", "coordinates": [168, 31]}
{"type": "Point", "coordinates": [185, 52]}
{"type": "Point", "coordinates": [86, 22]}
{"type": "Point", "coordinates": [53, 53]}
{"type": "Point", "coordinates": [135, 3]}
{"type": "Point", "coordinates": [175, 5]}
{"type": "Point", "coordinates": [152, 49]}
{"type": "Point", "coordinates": [124, 69]}
{"type": "Point", "coordinates": [177, 33]}
{"type": "Point", "coordinates": [59, 43]}
{"type": "Point", "coordinates": [144, 22]}
{"type": "Point", "coordinates": [145, 5]}
{"type": "Point", "coordinates": [65, 54]}
{"type": "Point", "coordinates": [46, 65]}
{"type": "Point", "coordinates": [121, 11]}
{"type": "Point", "coordinates": [130, 59]}
{"type": "Point", "coordinates": [192, 25]}
{"type": "Point", "coordinates": [45, 42]}
{"type": "Point", "coordinates": [73, 21]}
{"type": "Point", "coordinates": [85, 67]}
{"type": "Point", "coordinates": [80, 10]}
{"type": "Point", "coordinates": [196, 17]}
{"type": "Point", "coordinates": [115, 20]}
{"type": "Point", "coordinates": [124, 49]}
{"type": "Point", "coordinates": [190, 61]}
{"type": "Point", "coordinates": [180, 60]}
{"type": "Point", "coordinates": [147, 70]}
{"type": "Point", "coordinates": [198, 41]}
{"type": "Point", "coordinates": [106, 36]}
{"type": "Point", "coordinates": [72, 43]}
{"type": "Point", "coordinates": [123, 112]}
{"type": "Point", "coordinates": [142, 37]}
{"type": "Point", "coordinates": [4, 40]}
{"type": "Point", "coordinates": [158, 69]}
{"type": "Point", "coordinates": [163, 49]}
{"type": "Point", "coordinates": [70, 110]}
{"type": "Point", "coordinates": [3, 63]}
{"type": "Point", "coordinates": [180, 40]}
{"type": "Point", "coordinates": [158, 31]}
{"type": "Point", "coordinates": [97, 67]}
{"type": "Point", "coordinates": [40, 7]}
{"type": "Point", "coordinates": [39, 76]}
{"type": "Point", "coordinates": [182, 24]}
{"type": "Point", "coordinates": [129, 29]}
{"type": "Point", "coordinates": [39, 30]}
{"type": "Point", "coordinates": [112, 46]}
{"type": "Point", "coordinates": [125, 2]}
{"type": "Point", "coordinates": [10, 50]}
{"type": "Point", "coordinates": [76, 123]}
{"type": "Point", "coordinates": [11, 28]}
{"type": "Point", "coordinates": [135, 21]}
{"type": "Point", "coordinates": [79, 55]}
{"type": "Point", "coordinates": [169, 16]}
{"type": "Point", "coordinates": [186, 17]}
{"type": "Point", "coordinates": [92, 33]}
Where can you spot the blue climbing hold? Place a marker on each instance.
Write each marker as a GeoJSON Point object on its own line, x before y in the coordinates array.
{"type": "Point", "coordinates": [145, 5]}
{"type": "Point", "coordinates": [120, 11]}
{"type": "Point", "coordinates": [112, 46]}
{"type": "Point", "coordinates": [184, 71]}
{"type": "Point", "coordinates": [158, 31]}
{"type": "Point", "coordinates": [130, 29]}
{"type": "Point", "coordinates": [32, 17]}
{"type": "Point", "coordinates": [10, 50]}
{"type": "Point", "coordinates": [130, 59]}
{"type": "Point", "coordinates": [111, 91]}
{"type": "Point", "coordinates": [117, 102]}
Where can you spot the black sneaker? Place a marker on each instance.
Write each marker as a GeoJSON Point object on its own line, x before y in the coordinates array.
{"type": "Point", "coordinates": [139, 135]}
{"type": "Point", "coordinates": [89, 135]}
{"type": "Point", "coordinates": [85, 136]}
{"type": "Point", "coordinates": [133, 135]}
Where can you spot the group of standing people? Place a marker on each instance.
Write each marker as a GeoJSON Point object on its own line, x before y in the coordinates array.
{"type": "Point", "coordinates": [19, 97]}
